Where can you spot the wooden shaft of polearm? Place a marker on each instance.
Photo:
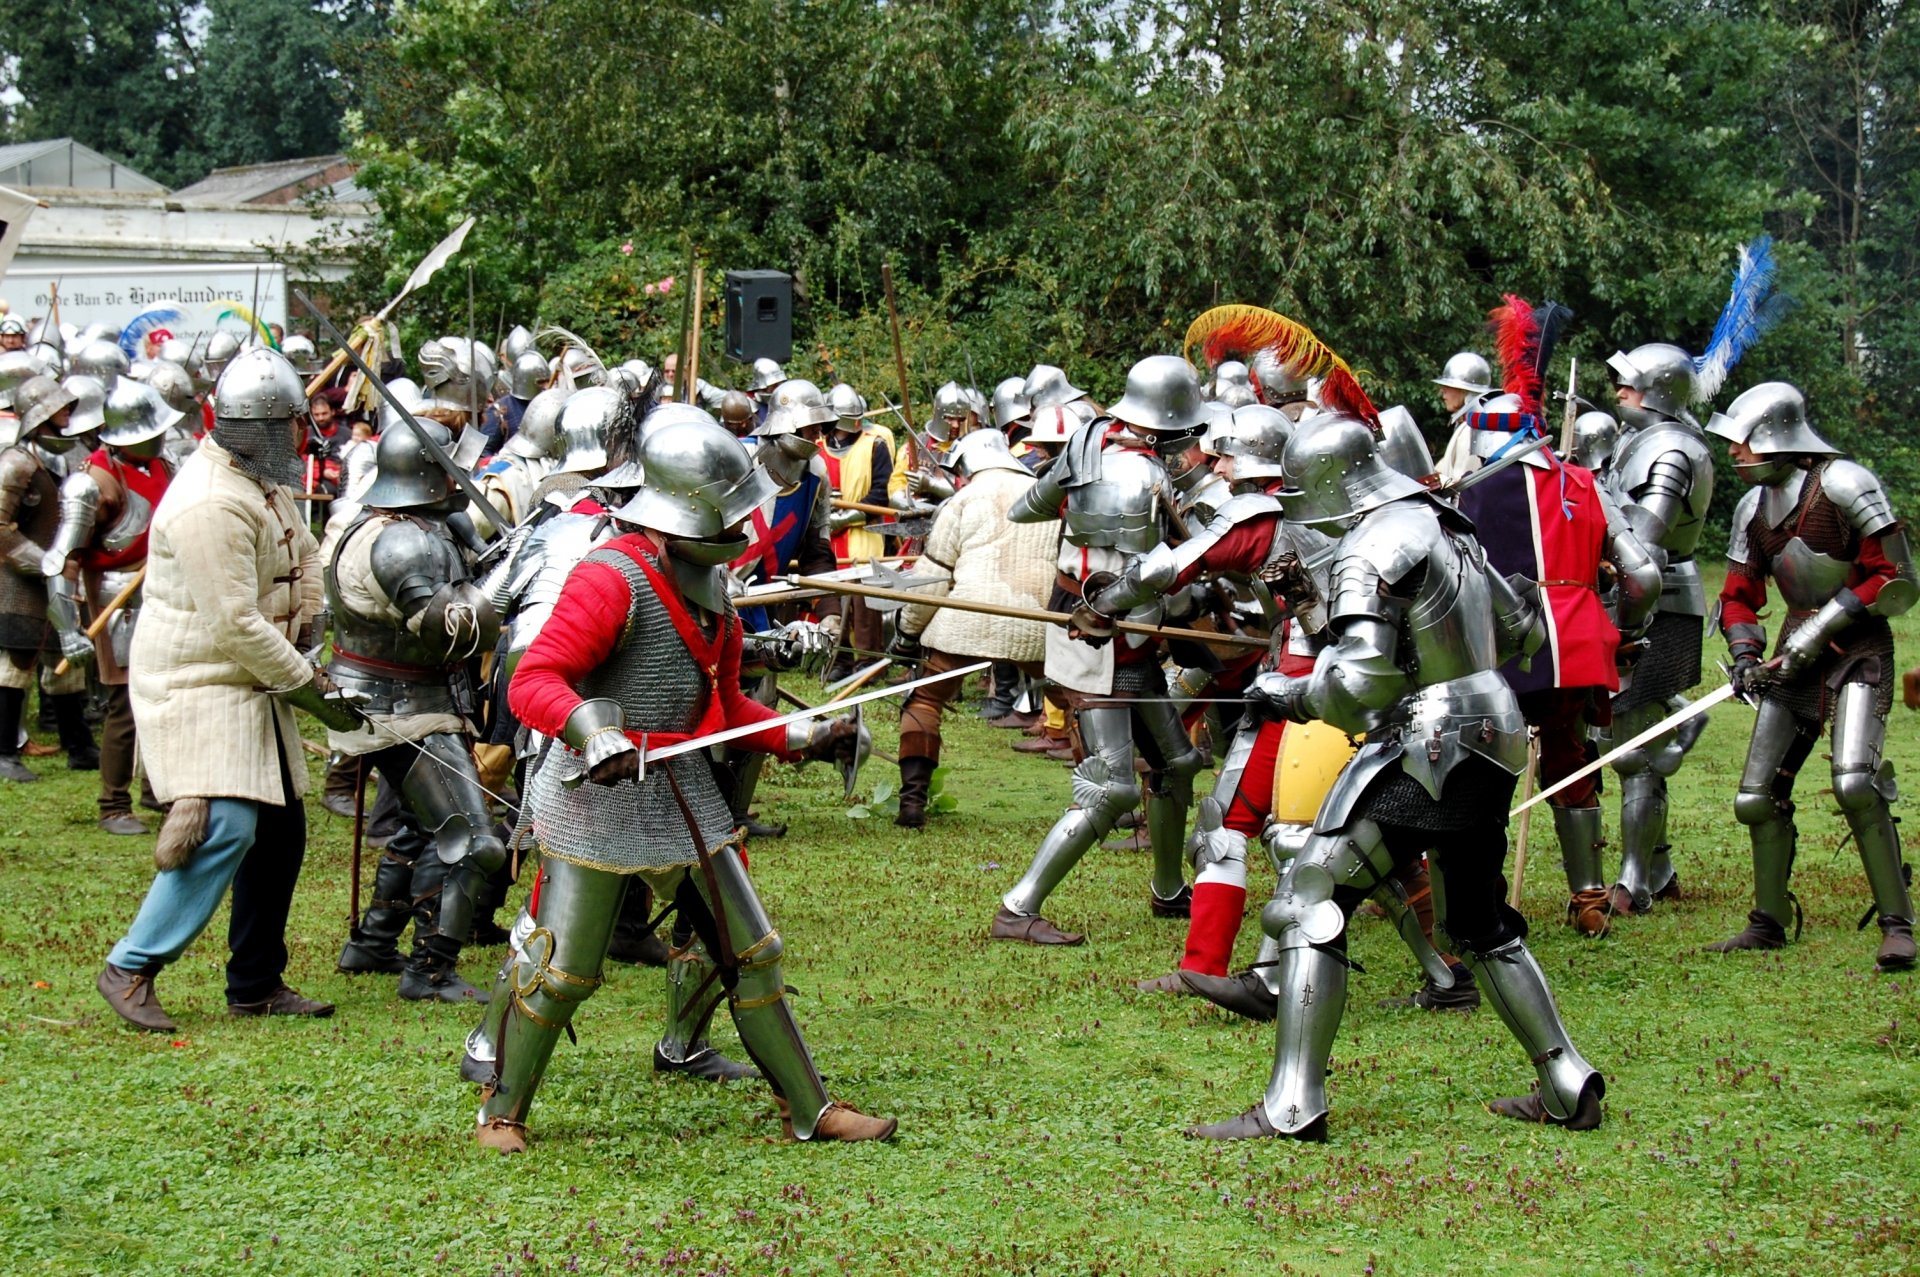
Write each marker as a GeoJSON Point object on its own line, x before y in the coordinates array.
{"type": "Point", "coordinates": [1008, 610]}
{"type": "Point", "coordinates": [865, 507]}
{"type": "Point", "coordinates": [99, 624]}
{"type": "Point", "coordinates": [334, 365]}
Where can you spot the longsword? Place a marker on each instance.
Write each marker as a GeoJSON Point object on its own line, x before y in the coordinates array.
{"type": "Point", "coordinates": [1724, 692]}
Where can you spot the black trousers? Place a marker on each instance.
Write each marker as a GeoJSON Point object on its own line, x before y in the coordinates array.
{"type": "Point", "coordinates": [263, 896]}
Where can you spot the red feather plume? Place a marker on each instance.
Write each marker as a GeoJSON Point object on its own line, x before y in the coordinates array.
{"type": "Point", "coordinates": [1516, 342]}
{"type": "Point", "coordinates": [1341, 392]}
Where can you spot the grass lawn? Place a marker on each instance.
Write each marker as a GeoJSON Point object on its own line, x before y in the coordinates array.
{"type": "Point", "coordinates": [1756, 1111]}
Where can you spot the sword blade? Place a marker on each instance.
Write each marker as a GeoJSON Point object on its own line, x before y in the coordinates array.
{"type": "Point", "coordinates": [801, 716]}
{"type": "Point", "coordinates": [1724, 692]}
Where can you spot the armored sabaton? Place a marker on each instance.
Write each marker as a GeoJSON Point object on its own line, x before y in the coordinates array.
{"type": "Point", "coordinates": [1117, 497]}
{"type": "Point", "coordinates": [1821, 527]}
{"type": "Point", "coordinates": [1419, 626]}
{"type": "Point", "coordinates": [1661, 474]}
{"type": "Point", "coordinates": [408, 625]}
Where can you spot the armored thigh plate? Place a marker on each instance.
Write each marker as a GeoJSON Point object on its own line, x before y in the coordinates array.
{"type": "Point", "coordinates": [1304, 911]}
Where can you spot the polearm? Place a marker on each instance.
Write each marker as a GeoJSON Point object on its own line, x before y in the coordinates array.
{"type": "Point", "coordinates": [1573, 412]}
{"type": "Point", "coordinates": [429, 264]}
{"type": "Point", "coordinates": [461, 479]}
{"type": "Point", "coordinates": [899, 352]}
{"type": "Point", "coordinates": [99, 625]}
{"type": "Point", "coordinates": [693, 334]}
{"type": "Point", "coordinates": [1009, 611]}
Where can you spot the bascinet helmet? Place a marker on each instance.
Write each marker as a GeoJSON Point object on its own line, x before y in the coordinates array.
{"type": "Point", "coordinates": [254, 405]}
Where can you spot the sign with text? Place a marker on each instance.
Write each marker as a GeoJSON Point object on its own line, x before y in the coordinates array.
{"type": "Point", "coordinates": [116, 294]}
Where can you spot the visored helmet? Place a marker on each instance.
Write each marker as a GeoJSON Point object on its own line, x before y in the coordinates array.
{"type": "Point", "coordinates": [1010, 402]}
{"type": "Point", "coordinates": [1466, 371]}
{"type": "Point", "coordinates": [100, 359]}
{"type": "Point", "coordinates": [1047, 387]}
{"type": "Point", "coordinates": [954, 406]}
{"type": "Point", "coordinates": [983, 450]}
{"type": "Point", "coordinates": [539, 425]}
{"type": "Point", "coordinates": [406, 477]}
{"type": "Point", "coordinates": [1594, 435]}
{"type": "Point", "coordinates": [1162, 397]}
{"type": "Point", "coordinates": [458, 372]}
{"type": "Point", "coordinates": [1334, 472]}
{"type": "Point", "coordinates": [136, 414]}
{"type": "Point", "coordinates": [581, 365]}
{"type": "Point", "coordinates": [1256, 438]}
{"type": "Point", "coordinates": [89, 404]}
{"type": "Point", "coordinates": [1662, 373]}
{"type": "Point", "coordinates": [526, 374]}
{"type": "Point", "coordinates": [1771, 419]}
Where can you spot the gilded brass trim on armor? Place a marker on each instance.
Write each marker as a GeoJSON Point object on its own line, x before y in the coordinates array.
{"type": "Point", "coordinates": [520, 1005]}
{"type": "Point", "coordinates": [749, 1004]}
{"type": "Point", "coordinates": [567, 977]}
{"type": "Point", "coordinates": [745, 956]}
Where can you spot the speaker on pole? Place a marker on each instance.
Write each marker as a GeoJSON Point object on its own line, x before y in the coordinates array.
{"type": "Point", "coordinates": [759, 315]}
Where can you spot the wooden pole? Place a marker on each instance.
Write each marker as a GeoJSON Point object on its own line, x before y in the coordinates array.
{"type": "Point", "coordinates": [693, 334]}
{"type": "Point", "coordinates": [1007, 610]}
{"type": "Point", "coordinates": [106, 614]}
{"type": "Point", "coordinates": [899, 361]}
{"type": "Point", "coordinates": [841, 503]}
{"type": "Point", "coordinates": [1526, 817]}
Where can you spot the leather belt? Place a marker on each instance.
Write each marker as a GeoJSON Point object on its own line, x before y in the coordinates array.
{"type": "Point", "coordinates": [1576, 585]}
{"type": "Point", "coordinates": [395, 669]}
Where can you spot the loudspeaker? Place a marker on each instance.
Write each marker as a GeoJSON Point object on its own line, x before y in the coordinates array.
{"type": "Point", "coordinates": [759, 315]}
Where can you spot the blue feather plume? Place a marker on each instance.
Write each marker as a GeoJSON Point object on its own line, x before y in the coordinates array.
{"type": "Point", "coordinates": [134, 335]}
{"type": "Point", "coordinates": [1750, 311]}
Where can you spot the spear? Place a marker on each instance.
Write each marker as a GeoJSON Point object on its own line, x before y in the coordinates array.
{"type": "Point", "coordinates": [1007, 610]}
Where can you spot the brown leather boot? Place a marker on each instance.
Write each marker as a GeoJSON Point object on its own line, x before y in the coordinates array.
{"type": "Point", "coordinates": [1896, 945]}
{"type": "Point", "coordinates": [502, 1135]}
{"type": "Point", "coordinates": [1762, 932]}
{"type": "Point", "coordinates": [1253, 1125]}
{"type": "Point", "coordinates": [841, 1122]}
{"type": "Point", "coordinates": [1168, 983]}
{"type": "Point", "coordinates": [131, 995]}
{"type": "Point", "coordinates": [1590, 912]}
{"type": "Point", "coordinates": [1008, 925]}
{"type": "Point", "coordinates": [284, 1001]}
{"type": "Point", "coordinates": [1528, 1108]}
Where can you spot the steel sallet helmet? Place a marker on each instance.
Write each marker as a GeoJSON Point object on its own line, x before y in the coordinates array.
{"type": "Point", "coordinates": [1162, 397]}
{"type": "Point", "coordinates": [136, 414]}
{"type": "Point", "coordinates": [458, 372]}
{"type": "Point", "coordinates": [526, 374]}
{"type": "Point", "coordinates": [1047, 387]}
{"type": "Point", "coordinates": [1010, 402]}
{"type": "Point", "coordinates": [406, 477]}
{"type": "Point", "coordinates": [1256, 439]}
{"type": "Point", "coordinates": [849, 405]}
{"type": "Point", "coordinates": [89, 404]}
{"type": "Point", "coordinates": [1466, 371]}
{"type": "Point", "coordinates": [700, 482]}
{"type": "Point", "coordinates": [222, 347]}
{"type": "Point", "coordinates": [538, 425]}
{"type": "Point", "coordinates": [953, 403]}
{"type": "Point", "coordinates": [37, 399]}
{"type": "Point", "coordinates": [516, 343]}
{"type": "Point", "coordinates": [1403, 447]}
{"type": "Point", "coordinates": [101, 359]}
{"type": "Point", "coordinates": [1770, 419]}
{"type": "Point", "coordinates": [794, 406]}
{"type": "Point", "coordinates": [301, 353]}
{"type": "Point", "coordinates": [16, 366]}
{"type": "Point", "coordinates": [13, 326]}
{"type": "Point", "coordinates": [1231, 375]}
{"type": "Point", "coordinates": [1057, 422]}
{"type": "Point", "coordinates": [582, 367]}
{"type": "Point", "coordinates": [1594, 435]}
{"type": "Point", "coordinates": [175, 350]}
{"type": "Point", "coordinates": [585, 419]}
{"type": "Point", "coordinates": [1662, 373]}
{"type": "Point", "coordinates": [983, 450]}
{"type": "Point", "coordinates": [1334, 471]}
{"type": "Point", "coordinates": [766, 375]}
{"type": "Point", "coordinates": [736, 412]}
{"type": "Point", "coordinates": [174, 386]}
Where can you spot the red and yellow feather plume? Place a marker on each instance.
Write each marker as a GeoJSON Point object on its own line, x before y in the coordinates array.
{"type": "Point", "coordinates": [1278, 350]}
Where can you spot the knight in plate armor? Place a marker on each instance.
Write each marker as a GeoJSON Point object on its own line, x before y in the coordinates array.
{"type": "Point", "coordinates": [1821, 527]}
{"type": "Point", "coordinates": [643, 651]}
{"type": "Point", "coordinates": [96, 555]}
{"type": "Point", "coordinates": [1111, 490]}
{"type": "Point", "coordinates": [409, 625]}
{"type": "Point", "coordinates": [1419, 624]}
{"type": "Point", "coordinates": [29, 521]}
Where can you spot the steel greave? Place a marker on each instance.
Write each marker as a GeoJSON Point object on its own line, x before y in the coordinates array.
{"type": "Point", "coordinates": [1511, 979]}
{"type": "Point", "coordinates": [685, 1037]}
{"type": "Point", "coordinates": [1312, 987]}
{"type": "Point", "coordinates": [1581, 835]}
{"type": "Point", "coordinates": [1863, 787]}
{"type": "Point", "coordinates": [1643, 833]}
{"type": "Point", "coordinates": [1167, 805]}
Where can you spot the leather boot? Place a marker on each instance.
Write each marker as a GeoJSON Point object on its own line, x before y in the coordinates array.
{"type": "Point", "coordinates": [1763, 931]}
{"type": "Point", "coordinates": [843, 1122]}
{"type": "Point", "coordinates": [1031, 927]}
{"type": "Point", "coordinates": [1253, 1125]}
{"type": "Point", "coordinates": [132, 997]}
{"type": "Point", "coordinates": [916, 778]}
{"type": "Point", "coordinates": [633, 941]}
{"type": "Point", "coordinates": [1896, 945]}
{"type": "Point", "coordinates": [70, 717]}
{"type": "Point", "coordinates": [1245, 994]}
{"type": "Point", "coordinates": [13, 702]}
{"type": "Point", "coordinates": [431, 975]}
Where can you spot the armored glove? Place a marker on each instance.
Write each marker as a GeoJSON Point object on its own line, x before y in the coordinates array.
{"type": "Point", "coordinates": [1279, 698]}
{"type": "Point", "coordinates": [930, 484]}
{"type": "Point", "coordinates": [841, 520]}
{"type": "Point", "coordinates": [611, 771]}
{"type": "Point", "coordinates": [828, 740]}
{"type": "Point", "coordinates": [320, 698]}
{"type": "Point", "coordinates": [76, 646]}
{"type": "Point", "coordinates": [801, 645]}
{"type": "Point", "coordinates": [1749, 674]}
{"type": "Point", "coordinates": [1087, 622]}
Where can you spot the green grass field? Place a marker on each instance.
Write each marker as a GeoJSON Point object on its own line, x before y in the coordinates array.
{"type": "Point", "coordinates": [1757, 1116]}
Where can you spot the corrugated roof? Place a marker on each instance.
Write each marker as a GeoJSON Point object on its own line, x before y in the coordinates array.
{"type": "Point", "coordinates": [248, 182]}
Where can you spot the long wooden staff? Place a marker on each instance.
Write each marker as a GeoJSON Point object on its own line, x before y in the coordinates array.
{"type": "Point", "coordinates": [693, 334]}
{"type": "Point", "coordinates": [899, 362]}
{"type": "Point", "coordinates": [1006, 609]}
{"type": "Point", "coordinates": [865, 507]}
{"type": "Point", "coordinates": [1526, 819]}
{"type": "Point", "coordinates": [106, 614]}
